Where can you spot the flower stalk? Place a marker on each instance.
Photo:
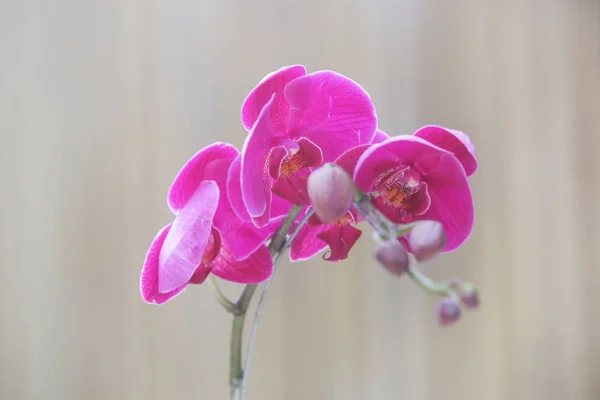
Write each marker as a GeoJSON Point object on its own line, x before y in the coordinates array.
{"type": "Point", "coordinates": [236, 372]}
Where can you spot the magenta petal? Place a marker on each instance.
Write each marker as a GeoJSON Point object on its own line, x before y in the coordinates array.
{"type": "Point", "coordinates": [149, 277]}
{"type": "Point", "coordinates": [255, 179]}
{"type": "Point", "coordinates": [189, 177]}
{"type": "Point", "coordinates": [451, 201]}
{"type": "Point", "coordinates": [341, 239]}
{"type": "Point", "coordinates": [349, 158]}
{"type": "Point", "coordinates": [331, 110]}
{"type": "Point", "coordinates": [244, 237]}
{"type": "Point", "coordinates": [393, 153]}
{"type": "Point", "coordinates": [275, 160]}
{"type": "Point", "coordinates": [186, 241]}
{"type": "Point", "coordinates": [257, 268]}
{"type": "Point", "coordinates": [454, 141]}
{"type": "Point", "coordinates": [293, 188]}
{"type": "Point", "coordinates": [306, 244]}
{"type": "Point", "coordinates": [234, 189]}
{"type": "Point", "coordinates": [380, 136]}
{"type": "Point", "coordinates": [273, 83]}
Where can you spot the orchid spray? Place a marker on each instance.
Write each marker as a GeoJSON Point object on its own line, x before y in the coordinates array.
{"type": "Point", "coordinates": [314, 165]}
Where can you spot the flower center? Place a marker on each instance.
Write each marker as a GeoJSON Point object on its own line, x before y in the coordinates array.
{"type": "Point", "coordinates": [398, 187]}
{"type": "Point", "coordinates": [347, 219]}
{"type": "Point", "coordinates": [213, 247]}
{"type": "Point", "coordinates": [212, 250]}
{"type": "Point", "coordinates": [293, 162]}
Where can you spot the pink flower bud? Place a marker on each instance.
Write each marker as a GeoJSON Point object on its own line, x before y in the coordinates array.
{"type": "Point", "coordinates": [470, 296]}
{"type": "Point", "coordinates": [449, 311]}
{"type": "Point", "coordinates": [427, 239]}
{"type": "Point", "coordinates": [331, 192]}
{"type": "Point", "coordinates": [393, 257]}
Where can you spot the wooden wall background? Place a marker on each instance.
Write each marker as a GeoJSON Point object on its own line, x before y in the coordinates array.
{"type": "Point", "coordinates": [102, 102]}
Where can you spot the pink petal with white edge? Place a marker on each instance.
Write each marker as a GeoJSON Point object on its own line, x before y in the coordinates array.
{"type": "Point", "coordinates": [273, 83]}
{"type": "Point", "coordinates": [451, 201]}
{"type": "Point", "coordinates": [257, 268]}
{"type": "Point", "coordinates": [306, 244]}
{"type": "Point", "coordinates": [447, 184]}
{"type": "Point", "coordinates": [186, 241]}
{"type": "Point", "coordinates": [333, 111]}
{"type": "Point", "coordinates": [279, 207]}
{"type": "Point", "coordinates": [149, 277]}
{"type": "Point", "coordinates": [234, 189]}
{"type": "Point", "coordinates": [380, 136]}
{"type": "Point", "coordinates": [242, 236]}
{"type": "Point", "coordinates": [255, 180]}
{"type": "Point", "coordinates": [189, 177]}
{"type": "Point", "coordinates": [454, 141]}
{"type": "Point", "coordinates": [349, 158]}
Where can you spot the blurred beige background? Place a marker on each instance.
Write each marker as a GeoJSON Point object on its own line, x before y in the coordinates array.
{"type": "Point", "coordinates": [102, 102]}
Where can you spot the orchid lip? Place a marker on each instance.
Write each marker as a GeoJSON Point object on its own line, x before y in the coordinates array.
{"type": "Point", "coordinates": [399, 187]}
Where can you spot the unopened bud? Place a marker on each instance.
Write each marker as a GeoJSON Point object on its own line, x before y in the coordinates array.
{"type": "Point", "coordinates": [470, 296]}
{"type": "Point", "coordinates": [449, 311]}
{"type": "Point", "coordinates": [427, 239]}
{"type": "Point", "coordinates": [393, 257]}
{"type": "Point", "coordinates": [331, 192]}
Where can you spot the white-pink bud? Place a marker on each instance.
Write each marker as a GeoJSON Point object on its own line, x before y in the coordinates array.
{"type": "Point", "coordinates": [449, 311]}
{"type": "Point", "coordinates": [470, 296]}
{"type": "Point", "coordinates": [331, 192]}
{"type": "Point", "coordinates": [427, 239]}
{"type": "Point", "coordinates": [393, 257]}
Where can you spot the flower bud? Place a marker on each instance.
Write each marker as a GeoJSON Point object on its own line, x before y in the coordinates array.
{"type": "Point", "coordinates": [470, 296]}
{"type": "Point", "coordinates": [427, 239]}
{"type": "Point", "coordinates": [449, 311]}
{"type": "Point", "coordinates": [393, 257]}
{"type": "Point", "coordinates": [331, 192]}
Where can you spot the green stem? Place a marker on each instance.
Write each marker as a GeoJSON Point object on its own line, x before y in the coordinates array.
{"type": "Point", "coordinates": [221, 298]}
{"type": "Point", "coordinates": [263, 295]}
{"type": "Point", "coordinates": [427, 284]}
{"type": "Point", "coordinates": [236, 373]}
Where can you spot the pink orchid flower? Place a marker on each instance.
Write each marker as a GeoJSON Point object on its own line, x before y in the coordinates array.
{"type": "Point", "coordinates": [206, 236]}
{"type": "Point", "coordinates": [296, 121]}
{"type": "Point", "coordinates": [422, 177]}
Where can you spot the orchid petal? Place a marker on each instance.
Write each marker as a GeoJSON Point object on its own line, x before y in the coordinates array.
{"type": "Point", "coordinates": [189, 177]}
{"type": "Point", "coordinates": [399, 151]}
{"type": "Point", "coordinates": [380, 136]}
{"type": "Point", "coordinates": [186, 241]}
{"type": "Point", "coordinates": [149, 276]}
{"type": "Point", "coordinates": [234, 189]}
{"type": "Point", "coordinates": [272, 84]}
{"type": "Point", "coordinates": [454, 141]}
{"type": "Point", "coordinates": [306, 244]}
{"type": "Point", "coordinates": [341, 239]}
{"type": "Point", "coordinates": [349, 158]}
{"type": "Point", "coordinates": [451, 201]}
{"type": "Point", "coordinates": [275, 160]}
{"type": "Point", "coordinates": [243, 236]}
{"type": "Point", "coordinates": [255, 180]}
{"type": "Point", "coordinates": [293, 186]}
{"type": "Point", "coordinates": [331, 110]}
{"type": "Point", "coordinates": [257, 268]}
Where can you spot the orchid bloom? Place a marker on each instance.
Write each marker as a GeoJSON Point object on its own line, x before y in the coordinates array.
{"type": "Point", "coordinates": [206, 235]}
{"type": "Point", "coordinates": [422, 177]}
{"type": "Point", "coordinates": [296, 121]}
